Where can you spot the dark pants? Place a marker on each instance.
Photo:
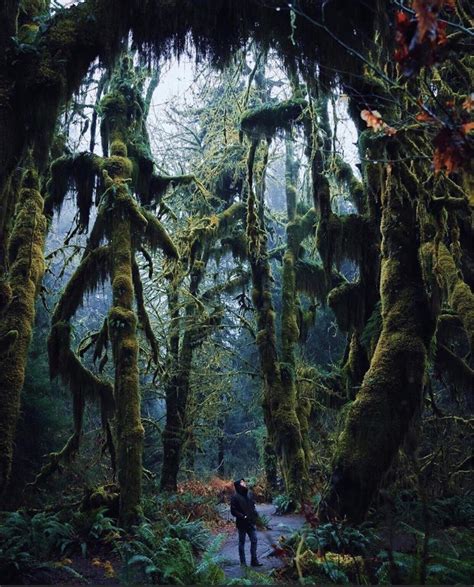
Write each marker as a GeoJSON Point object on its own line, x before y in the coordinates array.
{"type": "Point", "coordinates": [253, 543]}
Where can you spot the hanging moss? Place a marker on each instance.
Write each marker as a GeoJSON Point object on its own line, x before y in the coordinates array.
{"type": "Point", "coordinates": [65, 363]}
{"type": "Point", "coordinates": [451, 332]}
{"type": "Point", "coordinates": [157, 236]}
{"type": "Point", "coordinates": [59, 184]}
{"type": "Point", "coordinates": [311, 280]}
{"type": "Point", "coordinates": [25, 255]}
{"type": "Point", "coordinates": [351, 237]}
{"type": "Point", "coordinates": [80, 171]}
{"type": "Point", "coordinates": [142, 313]}
{"type": "Point", "coordinates": [306, 320]}
{"type": "Point", "coordinates": [84, 385]}
{"type": "Point", "coordinates": [328, 240]}
{"type": "Point", "coordinates": [92, 272]}
{"type": "Point", "coordinates": [237, 244]}
{"type": "Point", "coordinates": [264, 122]}
{"type": "Point", "coordinates": [348, 304]}
{"type": "Point", "coordinates": [345, 175]}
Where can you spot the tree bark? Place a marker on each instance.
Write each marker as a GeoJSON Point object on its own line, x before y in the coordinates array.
{"type": "Point", "coordinates": [18, 294]}
{"type": "Point", "coordinates": [123, 333]}
{"type": "Point", "coordinates": [391, 393]}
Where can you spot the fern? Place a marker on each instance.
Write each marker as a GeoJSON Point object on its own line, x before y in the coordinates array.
{"type": "Point", "coordinates": [41, 535]}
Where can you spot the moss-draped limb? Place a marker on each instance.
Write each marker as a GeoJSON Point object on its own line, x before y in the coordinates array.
{"type": "Point", "coordinates": [233, 285]}
{"type": "Point", "coordinates": [80, 171]}
{"type": "Point", "coordinates": [144, 319]}
{"type": "Point", "coordinates": [347, 301]}
{"type": "Point", "coordinates": [265, 121]}
{"type": "Point", "coordinates": [157, 236]}
{"type": "Point", "coordinates": [391, 392]}
{"type": "Point", "coordinates": [24, 279]}
{"type": "Point", "coordinates": [93, 271]}
{"type": "Point", "coordinates": [458, 293]}
{"type": "Point", "coordinates": [84, 385]}
{"type": "Point", "coordinates": [38, 82]}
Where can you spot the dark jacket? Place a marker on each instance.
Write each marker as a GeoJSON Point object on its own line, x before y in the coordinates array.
{"type": "Point", "coordinates": [242, 507]}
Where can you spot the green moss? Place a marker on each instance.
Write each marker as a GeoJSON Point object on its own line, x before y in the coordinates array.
{"type": "Point", "coordinates": [266, 121]}
{"type": "Point", "coordinates": [372, 330]}
{"type": "Point", "coordinates": [299, 229]}
{"type": "Point", "coordinates": [5, 295]}
{"type": "Point", "coordinates": [7, 341]}
{"type": "Point", "coordinates": [118, 166]}
{"type": "Point", "coordinates": [92, 272]}
{"type": "Point", "coordinates": [26, 257]}
{"type": "Point", "coordinates": [391, 391]}
{"type": "Point", "coordinates": [345, 175]}
{"type": "Point", "coordinates": [142, 313]}
{"type": "Point", "coordinates": [157, 236]}
{"type": "Point", "coordinates": [80, 171]}
{"type": "Point", "coordinates": [457, 292]}
{"type": "Point", "coordinates": [348, 304]}
{"type": "Point", "coordinates": [311, 280]}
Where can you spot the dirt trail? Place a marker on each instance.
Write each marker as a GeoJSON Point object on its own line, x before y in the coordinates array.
{"type": "Point", "coordinates": [279, 525]}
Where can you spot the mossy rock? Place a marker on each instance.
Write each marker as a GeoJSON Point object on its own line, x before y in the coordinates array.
{"type": "Point", "coordinates": [107, 496]}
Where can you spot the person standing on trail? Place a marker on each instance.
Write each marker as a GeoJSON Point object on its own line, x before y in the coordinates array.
{"type": "Point", "coordinates": [242, 507]}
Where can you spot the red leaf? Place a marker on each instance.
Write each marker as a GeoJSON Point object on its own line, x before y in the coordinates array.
{"type": "Point", "coordinates": [426, 12]}
{"type": "Point", "coordinates": [467, 128]}
{"type": "Point", "coordinates": [468, 104]}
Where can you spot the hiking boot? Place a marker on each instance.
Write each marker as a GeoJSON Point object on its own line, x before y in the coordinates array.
{"type": "Point", "coordinates": [256, 564]}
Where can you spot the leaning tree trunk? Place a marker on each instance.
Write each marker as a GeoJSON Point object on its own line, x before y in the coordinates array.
{"type": "Point", "coordinates": [391, 391]}
{"type": "Point", "coordinates": [17, 300]}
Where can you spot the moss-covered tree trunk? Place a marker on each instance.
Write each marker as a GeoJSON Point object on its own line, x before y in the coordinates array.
{"type": "Point", "coordinates": [279, 402]}
{"type": "Point", "coordinates": [177, 391]}
{"type": "Point", "coordinates": [17, 309]}
{"type": "Point", "coordinates": [123, 334]}
{"type": "Point", "coordinates": [391, 392]}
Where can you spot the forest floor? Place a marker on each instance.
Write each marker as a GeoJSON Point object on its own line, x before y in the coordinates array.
{"type": "Point", "coordinates": [278, 526]}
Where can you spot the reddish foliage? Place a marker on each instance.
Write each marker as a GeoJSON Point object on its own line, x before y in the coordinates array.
{"type": "Point", "coordinates": [426, 12]}
{"type": "Point", "coordinates": [452, 148]}
{"type": "Point", "coordinates": [468, 104]}
{"type": "Point", "coordinates": [373, 118]}
{"type": "Point", "coordinates": [279, 551]}
{"type": "Point", "coordinates": [221, 489]}
{"type": "Point", "coordinates": [424, 116]}
{"type": "Point", "coordinates": [421, 40]}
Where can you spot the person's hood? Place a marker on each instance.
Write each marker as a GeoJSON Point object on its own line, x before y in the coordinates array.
{"type": "Point", "coordinates": [239, 489]}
